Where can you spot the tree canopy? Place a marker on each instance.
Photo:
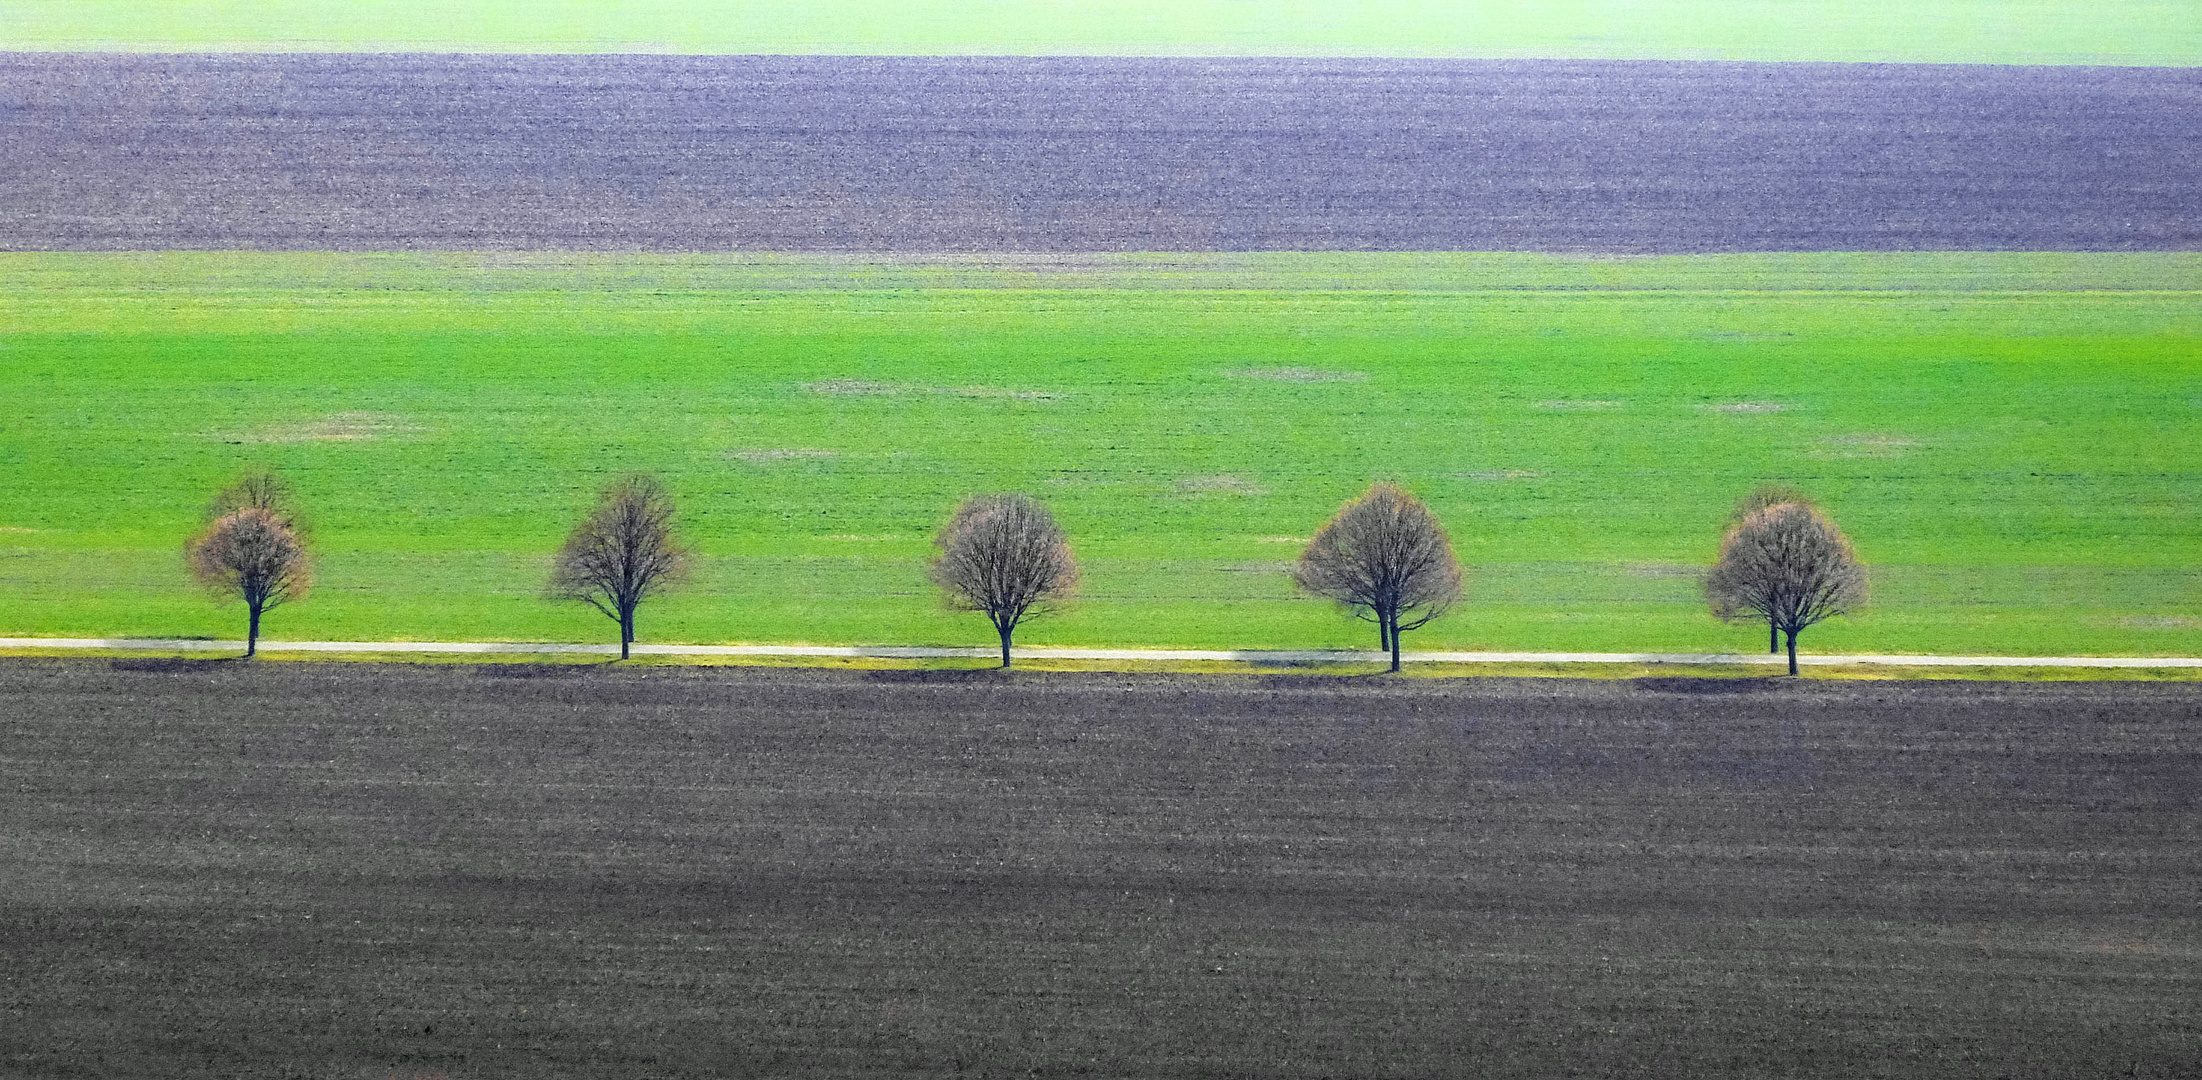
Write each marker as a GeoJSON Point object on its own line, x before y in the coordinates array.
{"type": "Point", "coordinates": [1004, 556]}
{"type": "Point", "coordinates": [1385, 558]}
{"type": "Point", "coordinates": [1788, 564]}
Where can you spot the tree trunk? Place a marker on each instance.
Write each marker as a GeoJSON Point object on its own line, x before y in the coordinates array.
{"type": "Point", "coordinates": [1395, 643]}
{"type": "Point", "coordinates": [1006, 631]}
{"type": "Point", "coordinates": [1792, 652]}
{"type": "Point", "coordinates": [1773, 636]}
{"type": "Point", "coordinates": [1383, 633]}
{"type": "Point", "coordinates": [626, 632]}
{"type": "Point", "coordinates": [252, 630]}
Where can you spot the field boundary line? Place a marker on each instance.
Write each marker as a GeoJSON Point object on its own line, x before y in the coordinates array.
{"type": "Point", "coordinates": [924, 652]}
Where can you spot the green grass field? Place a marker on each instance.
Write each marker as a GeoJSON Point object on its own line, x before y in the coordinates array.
{"type": "Point", "coordinates": [2162, 32]}
{"type": "Point", "coordinates": [2008, 438]}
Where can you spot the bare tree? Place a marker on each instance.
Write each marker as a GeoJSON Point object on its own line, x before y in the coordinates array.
{"type": "Point", "coordinates": [254, 555]}
{"type": "Point", "coordinates": [260, 488]}
{"type": "Point", "coordinates": [1789, 565]}
{"type": "Point", "coordinates": [1760, 498]}
{"type": "Point", "coordinates": [621, 554]}
{"type": "Point", "coordinates": [1385, 559]}
{"type": "Point", "coordinates": [1763, 496]}
{"type": "Point", "coordinates": [1004, 556]}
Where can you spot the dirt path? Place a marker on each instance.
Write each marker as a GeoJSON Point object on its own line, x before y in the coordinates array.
{"type": "Point", "coordinates": [1284, 656]}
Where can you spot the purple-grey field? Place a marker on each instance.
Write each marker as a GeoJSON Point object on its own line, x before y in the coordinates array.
{"type": "Point", "coordinates": [946, 154]}
{"type": "Point", "coordinates": [348, 870]}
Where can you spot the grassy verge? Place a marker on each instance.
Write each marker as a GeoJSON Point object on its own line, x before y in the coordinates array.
{"type": "Point", "coordinates": [2016, 462]}
{"type": "Point", "coordinates": [191, 659]}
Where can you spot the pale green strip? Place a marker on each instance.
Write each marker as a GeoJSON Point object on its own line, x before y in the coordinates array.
{"type": "Point", "coordinates": [2126, 32]}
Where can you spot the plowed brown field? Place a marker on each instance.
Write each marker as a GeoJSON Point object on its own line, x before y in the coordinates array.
{"type": "Point", "coordinates": [387, 151]}
{"type": "Point", "coordinates": [352, 870]}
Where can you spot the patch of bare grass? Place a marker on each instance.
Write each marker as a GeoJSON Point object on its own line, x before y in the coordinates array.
{"type": "Point", "coordinates": [854, 388]}
{"type": "Point", "coordinates": [1563, 405]}
{"type": "Point", "coordinates": [1664, 570]}
{"type": "Point", "coordinates": [870, 388]}
{"type": "Point", "coordinates": [1744, 408]}
{"type": "Point", "coordinates": [336, 427]}
{"type": "Point", "coordinates": [1499, 475]}
{"type": "Point", "coordinates": [1068, 477]}
{"type": "Point", "coordinates": [764, 456]}
{"type": "Point", "coordinates": [1220, 485]}
{"type": "Point", "coordinates": [2161, 622]}
{"type": "Point", "coordinates": [1297, 374]}
{"type": "Point", "coordinates": [1862, 446]}
{"type": "Point", "coordinates": [1002, 392]}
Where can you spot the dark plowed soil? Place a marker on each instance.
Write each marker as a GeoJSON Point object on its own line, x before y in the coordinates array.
{"type": "Point", "coordinates": [351, 871]}
{"type": "Point", "coordinates": [1004, 154]}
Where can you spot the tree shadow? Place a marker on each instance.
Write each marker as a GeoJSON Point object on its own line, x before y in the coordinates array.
{"type": "Point", "coordinates": [543, 670]}
{"type": "Point", "coordinates": [1702, 685]}
{"type": "Point", "coordinates": [174, 663]}
{"type": "Point", "coordinates": [939, 675]}
{"type": "Point", "coordinates": [1315, 681]}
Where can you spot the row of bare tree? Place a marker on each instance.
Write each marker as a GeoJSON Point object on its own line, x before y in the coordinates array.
{"type": "Point", "coordinates": [1382, 558]}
